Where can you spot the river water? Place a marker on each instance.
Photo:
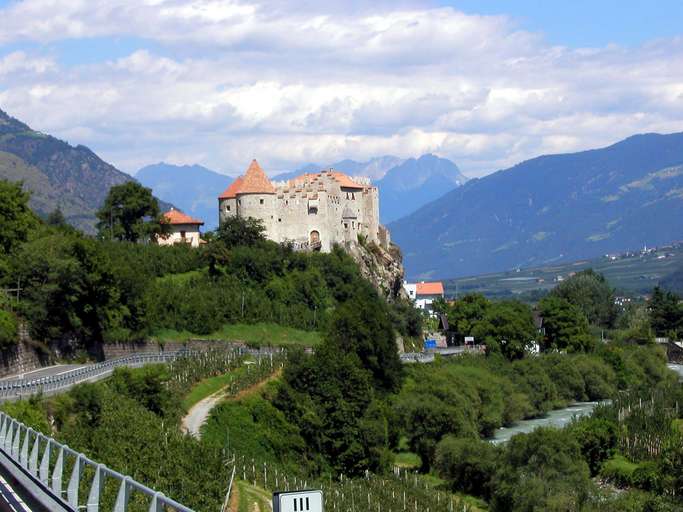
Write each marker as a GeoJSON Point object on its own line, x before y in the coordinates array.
{"type": "Point", "coordinates": [558, 418]}
{"type": "Point", "coordinates": [678, 368]}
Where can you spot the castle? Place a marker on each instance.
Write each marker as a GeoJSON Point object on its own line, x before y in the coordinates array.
{"type": "Point", "coordinates": [310, 212]}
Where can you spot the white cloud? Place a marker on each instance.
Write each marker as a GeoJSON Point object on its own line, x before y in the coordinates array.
{"type": "Point", "coordinates": [224, 81]}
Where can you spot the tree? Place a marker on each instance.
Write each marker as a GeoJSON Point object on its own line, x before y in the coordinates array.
{"type": "Point", "coordinates": [56, 219]}
{"type": "Point", "coordinates": [468, 465]}
{"type": "Point", "coordinates": [466, 312]}
{"type": "Point", "coordinates": [666, 312]}
{"type": "Point", "coordinates": [130, 213]}
{"type": "Point", "coordinates": [69, 288]}
{"type": "Point", "coordinates": [566, 327]}
{"type": "Point", "coordinates": [362, 326]}
{"type": "Point", "coordinates": [543, 470]}
{"type": "Point", "coordinates": [16, 218]}
{"type": "Point", "coordinates": [591, 292]}
{"type": "Point", "coordinates": [597, 438]}
{"type": "Point", "coordinates": [507, 327]}
{"type": "Point", "coordinates": [8, 329]}
{"type": "Point", "coordinates": [235, 231]}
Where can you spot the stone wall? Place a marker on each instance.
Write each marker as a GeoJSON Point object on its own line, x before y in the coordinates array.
{"type": "Point", "coordinates": [23, 357]}
{"type": "Point", "coordinates": [114, 350]}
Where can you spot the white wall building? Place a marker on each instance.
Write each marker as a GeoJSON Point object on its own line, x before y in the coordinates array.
{"type": "Point", "coordinates": [424, 294]}
{"type": "Point", "coordinates": [184, 229]}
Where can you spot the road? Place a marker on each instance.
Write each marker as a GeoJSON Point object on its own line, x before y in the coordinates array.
{"type": "Point", "coordinates": [45, 372]}
{"type": "Point", "coordinates": [10, 501]}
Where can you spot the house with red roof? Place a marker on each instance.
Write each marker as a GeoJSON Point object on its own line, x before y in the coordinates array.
{"type": "Point", "coordinates": [423, 294]}
{"type": "Point", "coordinates": [313, 211]}
{"type": "Point", "coordinates": [183, 229]}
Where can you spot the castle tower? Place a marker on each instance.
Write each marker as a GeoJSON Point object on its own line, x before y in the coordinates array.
{"type": "Point", "coordinates": [250, 195]}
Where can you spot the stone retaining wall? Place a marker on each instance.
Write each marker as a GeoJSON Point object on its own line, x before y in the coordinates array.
{"type": "Point", "coordinates": [23, 357]}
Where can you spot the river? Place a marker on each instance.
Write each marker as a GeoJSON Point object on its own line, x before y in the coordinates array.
{"type": "Point", "coordinates": [558, 418]}
{"type": "Point", "coordinates": [678, 368]}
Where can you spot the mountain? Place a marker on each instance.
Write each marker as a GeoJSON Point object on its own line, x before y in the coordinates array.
{"type": "Point", "coordinates": [414, 183]}
{"type": "Point", "coordinates": [289, 175]}
{"type": "Point", "coordinates": [551, 209]}
{"type": "Point", "coordinates": [375, 168]}
{"type": "Point", "coordinates": [58, 175]}
{"type": "Point", "coordinates": [193, 188]}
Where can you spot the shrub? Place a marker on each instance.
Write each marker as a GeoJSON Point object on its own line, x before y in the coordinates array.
{"type": "Point", "coordinates": [8, 329]}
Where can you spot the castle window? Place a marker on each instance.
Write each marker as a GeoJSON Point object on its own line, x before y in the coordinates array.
{"type": "Point", "coordinates": [260, 201]}
{"type": "Point", "coordinates": [346, 225]}
{"type": "Point", "coordinates": [279, 220]}
{"type": "Point", "coordinates": [227, 208]}
{"type": "Point", "coordinates": [353, 195]}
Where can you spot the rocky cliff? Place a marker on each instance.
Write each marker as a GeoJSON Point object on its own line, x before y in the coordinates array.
{"type": "Point", "coordinates": [382, 267]}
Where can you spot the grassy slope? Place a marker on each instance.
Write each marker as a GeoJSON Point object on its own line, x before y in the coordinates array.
{"type": "Point", "coordinates": [260, 334]}
{"type": "Point", "coordinates": [208, 387]}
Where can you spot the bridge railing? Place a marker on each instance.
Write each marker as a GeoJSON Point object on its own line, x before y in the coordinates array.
{"type": "Point", "coordinates": [47, 460]}
{"type": "Point", "coordinates": [14, 389]}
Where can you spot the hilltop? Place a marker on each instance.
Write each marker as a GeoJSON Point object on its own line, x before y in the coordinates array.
{"type": "Point", "coordinates": [72, 178]}
{"type": "Point", "coordinates": [551, 209]}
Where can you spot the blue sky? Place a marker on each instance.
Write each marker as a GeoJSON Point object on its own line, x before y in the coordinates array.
{"type": "Point", "coordinates": [219, 82]}
{"type": "Point", "coordinates": [580, 23]}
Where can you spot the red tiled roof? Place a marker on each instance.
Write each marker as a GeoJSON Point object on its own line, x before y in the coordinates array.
{"type": "Point", "coordinates": [435, 288]}
{"type": "Point", "coordinates": [343, 179]}
{"type": "Point", "coordinates": [174, 216]}
{"type": "Point", "coordinates": [233, 189]}
{"type": "Point", "coordinates": [255, 181]}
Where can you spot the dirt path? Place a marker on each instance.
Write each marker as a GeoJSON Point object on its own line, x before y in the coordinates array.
{"type": "Point", "coordinates": [194, 419]}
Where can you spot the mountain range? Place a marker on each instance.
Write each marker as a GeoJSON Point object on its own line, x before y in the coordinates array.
{"type": "Point", "coordinates": [404, 185]}
{"type": "Point", "coordinates": [57, 174]}
{"type": "Point", "coordinates": [550, 209]}
{"type": "Point", "coordinates": [193, 188]}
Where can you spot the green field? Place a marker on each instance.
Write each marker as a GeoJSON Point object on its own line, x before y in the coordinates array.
{"type": "Point", "coordinates": [635, 275]}
{"type": "Point", "coordinates": [260, 334]}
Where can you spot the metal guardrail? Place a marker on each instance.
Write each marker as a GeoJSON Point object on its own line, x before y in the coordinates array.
{"type": "Point", "coordinates": [428, 356]}
{"type": "Point", "coordinates": [15, 389]}
{"type": "Point", "coordinates": [34, 453]}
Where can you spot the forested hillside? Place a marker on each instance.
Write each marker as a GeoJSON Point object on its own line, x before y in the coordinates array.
{"type": "Point", "coordinates": [551, 209]}
{"type": "Point", "coordinates": [71, 178]}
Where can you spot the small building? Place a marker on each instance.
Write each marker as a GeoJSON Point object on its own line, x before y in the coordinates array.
{"type": "Point", "coordinates": [423, 294]}
{"type": "Point", "coordinates": [184, 229]}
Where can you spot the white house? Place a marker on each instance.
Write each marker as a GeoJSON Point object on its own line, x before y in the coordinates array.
{"type": "Point", "coordinates": [184, 229]}
{"type": "Point", "coordinates": [423, 294]}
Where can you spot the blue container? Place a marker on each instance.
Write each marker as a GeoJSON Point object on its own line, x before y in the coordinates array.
{"type": "Point", "coordinates": [430, 344]}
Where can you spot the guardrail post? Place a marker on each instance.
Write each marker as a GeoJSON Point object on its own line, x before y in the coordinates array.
{"type": "Point", "coordinates": [122, 498]}
{"type": "Point", "coordinates": [23, 456]}
{"type": "Point", "coordinates": [74, 481]}
{"type": "Point", "coordinates": [33, 460]}
{"type": "Point", "coordinates": [44, 473]}
{"type": "Point", "coordinates": [15, 441]}
{"type": "Point", "coordinates": [57, 473]}
{"type": "Point", "coordinates": [3, 428]}
{"type": "Point", "coordinates": [94, 495]}
{"type": "Point", "coordinates": [155, 506]}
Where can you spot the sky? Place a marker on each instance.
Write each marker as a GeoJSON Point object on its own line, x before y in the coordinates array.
{"type": "Point", "coordinates": [486, 84]}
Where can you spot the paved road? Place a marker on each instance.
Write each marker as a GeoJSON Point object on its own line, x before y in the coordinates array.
{"type": "Point", "coordinates": [45, 372]}
{"type": "Point", "coordinates": [10, 501]}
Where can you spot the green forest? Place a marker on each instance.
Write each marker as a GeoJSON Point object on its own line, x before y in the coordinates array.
{"type": "Point", "coordinates": [345, 416]}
